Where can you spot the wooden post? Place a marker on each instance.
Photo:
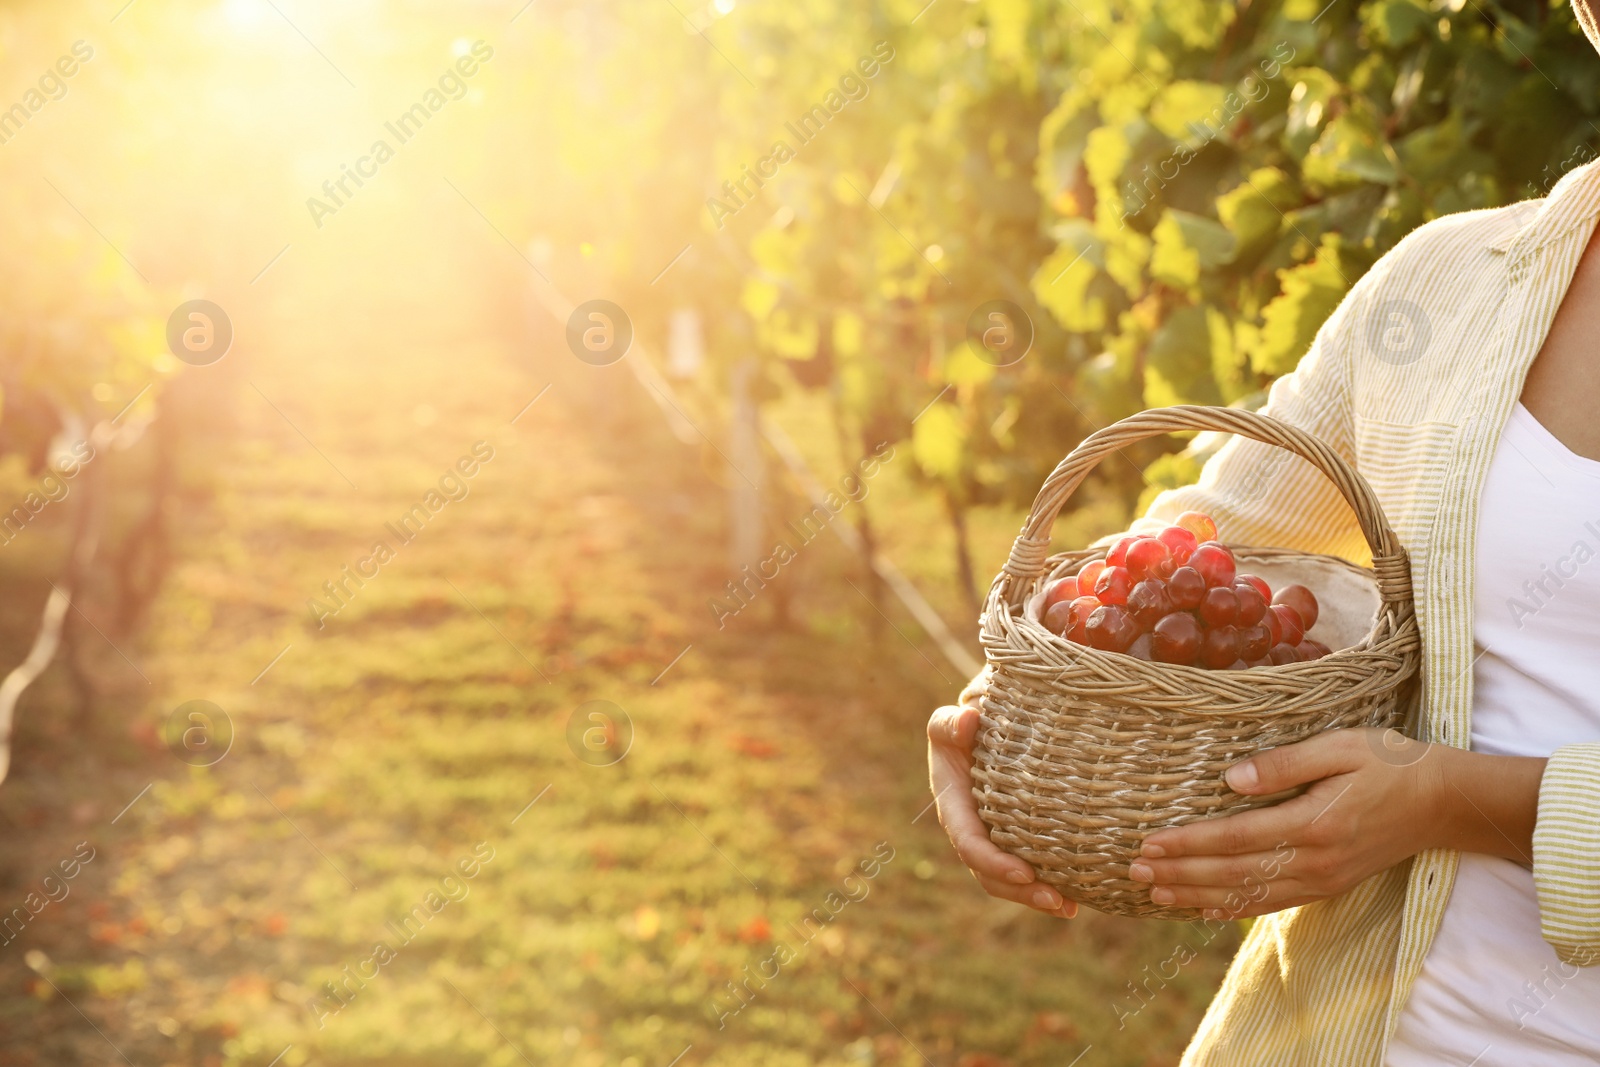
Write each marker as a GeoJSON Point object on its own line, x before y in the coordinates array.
{"type": "Point", "coordinates": [745, 481]}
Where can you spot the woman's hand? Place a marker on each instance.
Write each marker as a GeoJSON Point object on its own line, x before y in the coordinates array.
{"type": "Point", "coordinates": [1375, 800]}
{"type": "Point", "coordinates": [951, 732]}
{"type": "Point", "coordinates": [1363, 813]}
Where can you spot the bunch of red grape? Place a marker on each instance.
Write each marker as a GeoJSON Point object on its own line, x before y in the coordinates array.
{"type": "Point", "coordinates": [1177, 597]}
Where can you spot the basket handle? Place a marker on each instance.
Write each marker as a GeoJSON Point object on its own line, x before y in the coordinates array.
{"type": "Point", "coordinates": [1028, 553]}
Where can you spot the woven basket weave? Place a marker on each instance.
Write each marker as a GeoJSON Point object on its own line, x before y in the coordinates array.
{"type": "Point", "coordinates": [1082, 753]}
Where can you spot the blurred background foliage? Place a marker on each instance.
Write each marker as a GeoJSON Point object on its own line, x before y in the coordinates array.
{"type": "Point", "coordinates": [1177, 194]}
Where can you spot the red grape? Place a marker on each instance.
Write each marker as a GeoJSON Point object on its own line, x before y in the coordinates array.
{"type": "Point", "coordinates": [1302, 600]}
{"type": "Point", "coordinates": [1260, 583]}
{"type": "Point", "coordinates": [1180, 542]}
{"type": "Point", "coordinates": [1289, 621]}
{"type": "Point", "coordinates": [1215, 564]}
{"type": "Point", "coordinates": [1220, 606]}
{"type": "Point", "coordinates": [1252, 605]}
{"type": "Point", "coordinates": [1179, 597]}
{"type": "Point", "coordinates": [1176, 638]}
{"type": "Point", "coordinates": [1254, 642]}
{"type": "Point", "coordinates": [1186, 587]}
{"type": "Point", "coordinates": [1149, 602]}
{"type": "Point", "coordinates": [1082, 608]}
{"type": "Point", "coordinates": [1118, 552]}
{"type": "Point", "coordinates": [1197, 523]}
{"type": "Point", "coordinates": [1144, 556]}
{"type": "Point", "coordinates": [1063, 589]}
{"type": "Point", "coordinates": [1113, 585]}
{"type": "Point", "coordinates": [1282, 654]}
{"type": "Point", "coordinates": [1111, 628]}
{"type": "Point", "coordinates": [1219, 647]}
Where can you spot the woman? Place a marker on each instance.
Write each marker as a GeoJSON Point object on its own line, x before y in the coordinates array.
{"type": "Point", "coordinates": [1442, 900]}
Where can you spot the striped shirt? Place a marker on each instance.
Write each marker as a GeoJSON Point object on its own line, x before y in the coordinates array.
{"type": "Point", "coordinates": [1411, 379]}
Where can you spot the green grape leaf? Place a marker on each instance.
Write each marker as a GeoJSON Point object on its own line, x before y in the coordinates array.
{"type": "Point", "coordinates": [1197, 24]}
{"type": "Point", "coordinates": [1173, 262]}
{"type": "Point", "coordinates": [789, 335]}
{"type": "Point", "coordinates": [1126, 257]}
{"type": "Point", "coordinates": [1183, 103]}
{"type": "Point", "coordinates": [1228, 365]}
{"type": "Point", "coordinates": [1061, 286]}
{"type": "Point", "coordinates": [1253, 209]}
{"type": "Point", "coordinates": [1008, 38]}
{"type": "Point", "coordinates": [1186, 245]}
{"type": "Point", "coordinates": [1433, 152]}
{"type": "Point", "coordinates": [848, 331]}
{"type": "Point", "coordinates": [1106, 152]}
{"type": "Point", "coordinates": [759, 298]}
{"type": "Point", "coordinates": [1309, 101]}
{"type": "Point", "coordinates": [963, 366]}
{"type": "Point", "coordinates": [939, 441]}
{"type": "Point", "coordinates": [1178, 361]}
{"type": "Point", "coordinates": [1062, 140]}
{"type": "Point", "coordinates": [1290, 321]}
{"type": "Point", "coordinates": [1348, 152]}
{"type": "Point", "coordinates": [1396, 23]}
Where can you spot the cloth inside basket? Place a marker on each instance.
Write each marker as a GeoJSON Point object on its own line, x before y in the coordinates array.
{"type": "Point", "coordinates": [1347, 596]}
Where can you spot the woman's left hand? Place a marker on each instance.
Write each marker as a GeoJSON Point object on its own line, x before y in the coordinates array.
{"type": "Point", "coordinates": [1373, 803]}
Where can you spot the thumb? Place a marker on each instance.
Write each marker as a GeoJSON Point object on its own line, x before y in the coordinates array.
{"type": "Point", "coordinates": [1281, 768]}
{"type": "Point", "coordinates": [954, 726]}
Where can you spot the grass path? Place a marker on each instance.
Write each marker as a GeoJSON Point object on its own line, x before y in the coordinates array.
{"type": "Point", "coordinates": [423, 731]}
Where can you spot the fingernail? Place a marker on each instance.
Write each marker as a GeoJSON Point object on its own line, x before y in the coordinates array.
{"type": "Point", "coordinates": [1069, 910]}
{"type": "Point", "coordinates": [1150, 851]}
{"type": "Point", "coordinates": [1019, 877]}
{"type": "Point", "coordinates": [1162, 895]}
{"type": "Point", "coordinates": [1046, 898]}
{"type": "Point", "coordinates": [1141, 872]}
{"type": "Point", "coordinates": [1243, 776]}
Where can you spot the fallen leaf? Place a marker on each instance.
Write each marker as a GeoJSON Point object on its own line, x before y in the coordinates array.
{"type": "Point", "coordinates": [753, 746]}
{"type": "Point", "coordinates": [1051, 1024]}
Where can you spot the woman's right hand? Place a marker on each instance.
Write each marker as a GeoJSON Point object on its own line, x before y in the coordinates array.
{"type": "Point", "coordinates": [951, 732]}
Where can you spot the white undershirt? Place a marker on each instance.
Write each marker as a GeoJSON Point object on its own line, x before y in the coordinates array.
{"type": "Point", "coordinates": [1536, 687]}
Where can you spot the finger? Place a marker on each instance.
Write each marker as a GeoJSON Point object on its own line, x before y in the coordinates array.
{"type": "Point", "coordinates": [1326, 754]}
{"type": "Point", "coordinates": [1038, 896]}
{"type": "Point", "coordinates": [953, 726]}
{"type": "Point", "coordinates": [1261, 830]}
{"type": "Point", "coordinates": [950, 775]}
{"type": "Point", "coordinates": [1226, 871]}
{"type": "Point", "coordinates": [1229, 902]}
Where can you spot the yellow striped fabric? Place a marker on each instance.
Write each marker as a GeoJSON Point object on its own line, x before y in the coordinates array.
{"type": "Point", "coordinates": [1411, 379]}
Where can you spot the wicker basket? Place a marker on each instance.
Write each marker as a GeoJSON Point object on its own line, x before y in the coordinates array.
{"type": "Point", "coordinates": [1082, 753]}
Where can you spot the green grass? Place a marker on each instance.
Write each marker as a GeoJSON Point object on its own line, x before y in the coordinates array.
{"type": "Point", "coordinates": [772, 759]}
